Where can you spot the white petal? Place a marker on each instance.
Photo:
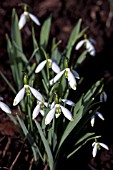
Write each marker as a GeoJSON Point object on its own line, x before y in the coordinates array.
{"type": "Point", "coordinates": [104, 146]}
{"type": "Point", "coordinates": [5, 108]}
{"type": "Point", "coordinates": [80, 43]}
{"type": "Point", "coordinates": [90, 48]}
{"type": "Point", "coordinates": [52, 105]}
{"type": "Point", "coordinates": [92, 120]}
{"type": "Point", "coordinates": [93, 143]}
{"type": "Point", "coordinates": [22, 21]}
{"type": "Point", "coordinates": [55, 67]}
{"type": "Point", "coordinates": [57, 77]}
{"type": "Point", "coordinates": [36, 111]}
{"type": "Point", "coordinates": [46, 104]}
{"type": "Point", "coordinates": [19, 96]}
{"type": "Point", "coordinates": [50, 116]}
{"type": "Point", "coordinates": [36, 93]}
{"type": "Point", "coordinates": [42, 112]}
{"type": "Point", "coordinates": [69, 102]}
{"type": "Point", "coordinates": [100, 115]}
{"type": "Point", "coordinates": [94, 150]}
{"type": "Point", "coordinates": [76, 75]}
{"type": "Point", "coordinates": [1, 98]}
{"type": "Point", "coordinates": [66, 113]}
{"type": "Point", "coordinates": [40, 66]}
{"type": "Point", "coordinates": [71, 80]}
{"type": "Point", "coordinates": [103, 97]}
{"type": "Point", "coordinates": [57, 115]}
{"type": "Point", "coordinates": [34, 18]}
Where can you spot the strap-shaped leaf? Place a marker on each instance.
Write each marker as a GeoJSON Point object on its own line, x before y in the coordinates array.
{"type": "Point", "coordinates": [44, 35]}
{"type": "Point", "coordinates": [71, 125]}
{"type": "Point", "coordinates": [81, 58]}
{"type": "Point", "coordinates": [46, 145]}
{"type": "Point", "coordinates": [75, 35]}
{"type": "Point", "coordinates": [35, 149]}
{"type": "Point", "coordinates": [81, 142]}
{"type": "Point", "coordinates": [91, 91]}
{"type": "Point", "coordinates": [15, 32]}
{"type": "Point", "coordinates": [36, 46]}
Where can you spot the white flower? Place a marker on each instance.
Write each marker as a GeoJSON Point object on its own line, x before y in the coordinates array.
{"type": "Point", "coordinates": [93, 117]}
{"type": "Point", "coordinates": [23, 19]}
{"type": "Point", "coordinates": [103, 97]}
{"type": "Point", "coordinates": [56, 110]}
{"type": "Point", "coordinates": [4, 107]}
{"type": "Point", "coordinates": [39, 109]}
{"type": "Point", "coordinates": [88, 45]}
{"type": "Point", "coordinates": [70, 75]}
{"type": "Point", "coordinates": [96, 146]}
{"type": "Point", "coordinates": [51, 64]}
{"type": "Point", "coordinates": [69, 102]}
{"type": "Point", "coordinates": [21, 93]}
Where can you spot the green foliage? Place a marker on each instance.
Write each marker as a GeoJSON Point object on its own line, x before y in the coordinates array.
{"type": "Point", "coordinates": [48, 141]}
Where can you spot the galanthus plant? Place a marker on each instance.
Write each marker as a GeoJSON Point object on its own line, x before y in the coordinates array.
{"type": "Point", "coordinates": [46, 86]}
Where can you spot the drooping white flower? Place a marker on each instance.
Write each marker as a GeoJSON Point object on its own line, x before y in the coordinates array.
{"type": "Point", "coordinates": [88, 46]}
{"type": "Point", "coordinates": [56, 110]}
{"type": "Point", "coordinates": [93, 117]}
{"type": "Point", "coordinates": [51, 64]}
{"type": "Point", "coordinates": [96, 146]}
{"type": "Point", "coordinates": [4, 107]}
{"type": "Point", "coordinates": [39, 109]}
{"type": "Point", "coordinates": [22, 92]}
{"type": "Point", "coordinates": [23, 19]}
{"type": "Point", "coordinates": [68, 102]}
{"type": "Point", "coordinates": [69, 74]}
{"type": "Point", "coordinates": [103, 97]}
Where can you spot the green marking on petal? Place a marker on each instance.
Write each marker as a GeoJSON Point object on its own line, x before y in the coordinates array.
{"type": "Point", "coordinates": [72, 119]}
{"type": "Point", "coordinates": [74, 87]}
{"type": "Point", "coordinates": [49, 63]}
{"type": "Point", "coordinates": [58, 110]}
{"type": "Point", "coordinates": [66, 74]}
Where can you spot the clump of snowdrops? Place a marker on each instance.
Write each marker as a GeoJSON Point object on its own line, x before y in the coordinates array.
{"type": "Point", "coordinates": [48, 115]}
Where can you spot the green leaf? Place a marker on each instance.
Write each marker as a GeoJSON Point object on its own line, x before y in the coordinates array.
{"type": "Point", "coordinates": [35, 149]}
{"type": "Point", "coordinates": [15, 32]}
{"type": "Point", "coordinates": [81, 58]}
{"type": "Point", "coordinates": [36, 46]}
{"type": "Point", "coordinates": [55, 54]}
{"type": "Point", "coordinates": [8, 83]}
{"type": "Point", "coordinates": [71, 125]}
{"type": "Point", "coordinates": [44, 35]}
{"type": "Point", "coordinates": [46, 145]}
{"type": "Point", "coordinates": [81, 142]}
{"type": "Point", "coordinates": [20, 53]}
{"type": "Point", "coordinates": [75, 35]}
{"type": "Point", "coordinates": [91, 91]}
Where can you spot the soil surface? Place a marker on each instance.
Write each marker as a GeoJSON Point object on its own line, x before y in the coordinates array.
{"type": "Point", "coordinates": [95, 15]}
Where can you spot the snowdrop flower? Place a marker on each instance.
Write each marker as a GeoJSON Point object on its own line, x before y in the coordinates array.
{"type": "Point", "coordinates": [68, 102]}
{"type": "Point", "coordinates": [56, 110]}
{"type": "Point", "coordinates": [39, 109]}
{"type": "Point", "coordinates": [51, 64]}
{"type": "Point", "coordinates": [69, 74]}
{"type": "Point", "coordinates": [4, 107]}
{"type": "Point", "coordinates": [96, 146]}
{"type": "Point", "coordinates": [23, 19]}
{"type": "Point", "coordinates": [93, 117]}
{"type": "Point", "coordinates": [103, 97]}
{"type": "Point", "coordinates": [23, 91]}
{"type": "Point", "coordinates": [88, 45]}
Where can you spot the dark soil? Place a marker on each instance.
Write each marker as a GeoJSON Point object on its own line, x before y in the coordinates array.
{"type": "Point", "coordinates": [95, 15]}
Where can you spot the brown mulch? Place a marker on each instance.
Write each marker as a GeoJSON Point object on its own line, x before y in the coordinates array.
{"type": "Point", "coordinates": [95, 15]}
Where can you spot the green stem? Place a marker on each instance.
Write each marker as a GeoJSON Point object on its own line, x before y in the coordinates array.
{"type": "Point", "coordinates": [29, 113]}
